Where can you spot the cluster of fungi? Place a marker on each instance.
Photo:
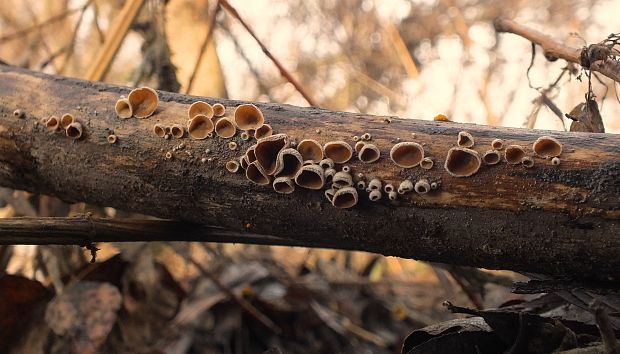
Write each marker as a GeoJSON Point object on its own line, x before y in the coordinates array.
{"type": "Point", "coordinates": [67, 123]}
{"type": "Point", "coordinates": [276, 160]}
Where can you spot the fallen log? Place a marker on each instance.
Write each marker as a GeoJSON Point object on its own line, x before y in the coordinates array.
{"type": "Point", "coordinates": [561, 220]}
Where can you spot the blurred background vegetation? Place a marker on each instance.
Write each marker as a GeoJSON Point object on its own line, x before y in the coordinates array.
{"type": "Point", "coordinates": [415, 59]}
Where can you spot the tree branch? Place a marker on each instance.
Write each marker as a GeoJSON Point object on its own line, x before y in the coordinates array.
{"type": "Point", "coordinates": [83, 230]}
{"type": "Point", "coordinates": [609, 68]}
{"type": "Point", "coordinates": [556, 220]}
{"type": "Point", "coordinates": [233, 12]}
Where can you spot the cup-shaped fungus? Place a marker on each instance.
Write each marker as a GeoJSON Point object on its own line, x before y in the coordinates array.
{"type": "Point", "coordinates": [388, 187]}
{"type": "Point", "coordinates": [250, 155]}
{"type": "Point", "coordinates": [366, 136]}
{"type": "Point", "coordinates": [219, 109]}
{"type": "Point", "coordinates": [338, 151]}
{"type": "Point", "coordinates": [369, 153]}
{"type": "Point", "coordinates": [427, 163]}
{"type": "Point", "coordinates": [491, 157]}
{"type": "Point", "coordinates": [267, 150]}
{"type": "Point", "coordinates": [245, 136]}
{"type": "Point", "coordinates": [329, 174]}
{"type": "Point", "coordinates": [200, 107]}
{"type": "Point", "coordinates": [225, 128]}
{"type": "Point", "coordinates": [310, 150]}
{"type": "Point", "coordinates": [346, 169]}
{"type": "Point", "coordinates": [374, 184]}
{"type": "Point", "coordinates": [422, 186]}
{"type": "Point", "coordinates": [555, 161]}
{"type": "Point", "coordinates": [327, 163]}
{"type": "Point", "coordinates": [345, 198]}
{"type": "Point", "coordinates": [243, 162]}
{"type": "Point", "coordinates": [199, 127]}
{"type": "Point", "coordinates": [342, 179]}
{"type": "Point", "coordinates": [52, 123]}
{"type": "Point", "coordinates": [497, 144]}
{"type": "Point", "coordinates": [329, 194]}
{"type": "Point", "coordinates": [263, 131]}
{"type": "Point", "coordinates": [374, 195]}
{"type": "Point", "coordinates": [462, 162]}
{"type": "Point", "coordinates": [143, 101]}
{"type": "Point", "coordinates": [232, 146]}
{"type": "Point", "coordinates": [405, 186]}
{"type": "Point", "coordinates": [178, 131]}
{"type": "Point", "coordinates": [546, 146]}
{"type": "Point", "coordinates": [283, 185]}
{"type": "Point", "coordinates": [123, 108]}
{"type": "Point", "coordinates": [358, 146]}
{"type": "Point", "coordinates": [361, 185]}
{"type": "Point", "coordinates": [159, 130]}
{"type": "Point", "coordinates": [111, 139]}
{"type": "Point", "coordinates": [74, 130]}
{"type": "Point", "coordinates": [65, 120]}
{"type": "Point", "coordinates": [514, 154]}
{"type": "Point", "coordinates": [256, 173]}
{"type": "Point", "coordinates": [407, 154]}
{"type": "Point", "coordinates": [232, 166]}
{"type": "Point", "coordinates": [392, 195]}
{"type": "Point", "coordinates": [465, 140]}
{"type": "Point", "coordinates": [311, 177]}
{"type": "Point", "coordinates": [528, 162]}
{"type": "Point", "coordinates": [289, 162]}
{"type": "Point", "coordinates": [248, 116]}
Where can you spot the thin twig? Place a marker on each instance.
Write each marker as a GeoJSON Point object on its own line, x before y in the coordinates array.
{"type": "Point", "coordinates": [50, 59]}
{"type": "Point", "coordinates": [402, 51]}
{"type": "Point", "coordinates": [85, 230]}
{"type": "Point", "coordinates": [203, 46]}
{"type": "Point", "coordinates": [552, 48]}
{"type": "Point", "coordinates": [100, 34]}
{"type": "Point", "coordinates": [40, 33]}
{"type": "Point", "coordinates": [231, 10]}
{"type": "Point", "coordinates": [39, 25]}
{"type": "Point", "coordinates": [261, 86]}
{"type": "Point", "coordinates": [248, 307]}
{"type": "Point", "coordinates": [71, 46]}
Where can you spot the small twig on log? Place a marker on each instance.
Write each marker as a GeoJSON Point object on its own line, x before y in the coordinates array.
{"type": "Point", "coordinates": [604, 326]}
{"type": "Point", "coordinates": [554, 49]}
{"type": "Point", "coordinates": [203, 46]}
{"type": "Point", "coordinates": [50, 20]}
{"type": "Point", "coordinates": [231, 10]}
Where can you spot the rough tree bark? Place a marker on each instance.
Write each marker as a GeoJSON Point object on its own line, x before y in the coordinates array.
{"type": "Point", "coordinates": [558, 220]}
